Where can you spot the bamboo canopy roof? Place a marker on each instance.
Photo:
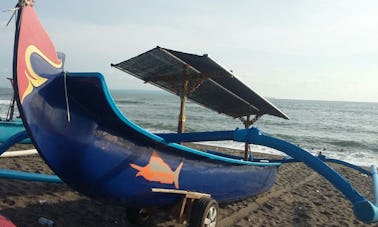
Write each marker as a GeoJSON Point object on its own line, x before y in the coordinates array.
{"type": "Point", "coordinates": [200, 79]}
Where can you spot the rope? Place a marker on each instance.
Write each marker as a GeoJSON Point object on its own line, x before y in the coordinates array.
{"type": "Point", "coordinates": [21, 3]}
{"type": "Point", "coordinates": [66, 95]}
{"type": "Point", "coordinates": [13, 14]}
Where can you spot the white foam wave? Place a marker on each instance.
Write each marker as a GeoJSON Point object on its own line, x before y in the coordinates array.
{"type": "Point", "coordinates": [360, 159]}
{"type": "Point", "coordinates": [4, 102]}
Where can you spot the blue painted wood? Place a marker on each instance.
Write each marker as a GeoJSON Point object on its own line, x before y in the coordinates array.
{"type": "Point", "coordinates": [12, 141]}
{"type": "Point", "coordinates": [93, 152]}
{"type": "Point", "coordinates": [363, 209]}
{"type": "Point", "coordinates": [26, 176]}
{"type": "Point", "coordinates": [10, 128]}
{"type": "Point", "coordinates": [197, 136]}
{"type": "Point", "coordinates": [375, 183]}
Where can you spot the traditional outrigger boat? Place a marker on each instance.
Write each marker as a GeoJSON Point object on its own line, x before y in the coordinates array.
{"type": "Point", "coordinates": [86, 140]}
{"type": "Point", "coordinates": [11, 125]}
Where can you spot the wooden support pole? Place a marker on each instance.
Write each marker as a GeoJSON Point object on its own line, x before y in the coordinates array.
{"type": "Point", "coordinates": [182, 210]}
{"type": "Point", "coordinates": [247, 123]}
{"type": "Point", "coordinates": [12, 104]}
{"type": "Point", "coordinates": [246, 145]}
{"type": "Point", "coordinates": [182, 118]}
{"type": "Point", "coordinates": [183, 97]}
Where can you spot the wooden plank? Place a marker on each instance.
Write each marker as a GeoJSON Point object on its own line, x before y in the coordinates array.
{"type": "Point", "coordinates": [187, 194]}
{"type": "Point", "coordinates": [19, 153]}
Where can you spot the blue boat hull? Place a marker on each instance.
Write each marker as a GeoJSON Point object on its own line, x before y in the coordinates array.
{"type": "Point", "coordinates": [94, 151]}
{"type": "Point", "coordinates": [86, 140]}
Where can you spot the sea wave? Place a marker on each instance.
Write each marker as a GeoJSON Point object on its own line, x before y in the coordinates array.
{"type": "Point", "coordinates": [4, 102]}
{"type": "Point", "coordinates": [357, 158]}
{"type": "Point", "coordinates": [349, 144]}
{"type": "Point", "coordinates": [125, 101]}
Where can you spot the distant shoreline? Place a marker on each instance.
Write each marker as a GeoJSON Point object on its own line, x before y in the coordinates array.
{"type": "Point", "coordinates": [160, 91]}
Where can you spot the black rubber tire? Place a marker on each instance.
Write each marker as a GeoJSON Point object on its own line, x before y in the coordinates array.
{"type": "Point", "coordinates": [204, 213]}
{"type": "Point", "coordinates": [137, 216]}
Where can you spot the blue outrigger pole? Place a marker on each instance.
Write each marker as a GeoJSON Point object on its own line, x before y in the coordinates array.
{"type": "Point", "coordinates": [18, 137]}
{"type": "Point", "coordinates": [363, 209]}
{"type": "Point", "coordinates": [375, 183]}
{"type": "Point", "coordinates": [21, 175]}
{"type": "Point", "coordinates": [26, 176]}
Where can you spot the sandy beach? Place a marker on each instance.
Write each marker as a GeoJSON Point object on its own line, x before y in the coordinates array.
{"type": "Point", "coordinates": [299, 197]}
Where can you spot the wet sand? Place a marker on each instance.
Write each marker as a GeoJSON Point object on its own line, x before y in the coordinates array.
{"type": "Point", "coordinates": [299, 197]}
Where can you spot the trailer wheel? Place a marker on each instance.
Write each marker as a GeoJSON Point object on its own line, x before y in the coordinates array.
{"type": "Point", "coordinates": [137, 216]}
{"type": "Point", "coordinates": [204, 213]}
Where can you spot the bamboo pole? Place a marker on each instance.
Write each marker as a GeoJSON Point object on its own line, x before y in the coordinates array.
{"type": "Point", "coordinates": [247, 123]}
{"type": "Point", "coordinates": [246, 145]}
{"type": "Point", "coordinates": [12, 104]}
{"type": "Point", "coordinates": [183, 97]}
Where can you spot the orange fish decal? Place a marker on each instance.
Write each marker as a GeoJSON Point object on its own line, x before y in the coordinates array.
{"type": "Point", "coordinates": [159, 171]}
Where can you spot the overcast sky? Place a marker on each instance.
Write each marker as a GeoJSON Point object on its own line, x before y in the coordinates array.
{"type": "Point", "coordinates": [296, 49]}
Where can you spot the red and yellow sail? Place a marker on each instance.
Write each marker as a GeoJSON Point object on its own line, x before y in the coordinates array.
{"type": "Point", "coordinates": [34, 47]}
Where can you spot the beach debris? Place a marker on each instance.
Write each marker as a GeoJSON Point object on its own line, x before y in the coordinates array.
{"type": "Point", "coordinates": [46, 222]}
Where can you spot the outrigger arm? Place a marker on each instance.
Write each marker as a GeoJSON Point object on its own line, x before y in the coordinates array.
{"type": "Point", "coordinates": [18, 137]}
{"type": "Point", "coordinates": [363, 209]}
{"type": "Point", "coordinates": [21, 175]}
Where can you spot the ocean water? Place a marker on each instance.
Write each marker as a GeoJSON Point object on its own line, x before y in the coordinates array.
{"type": "Point", "coordinates": [343, 130]}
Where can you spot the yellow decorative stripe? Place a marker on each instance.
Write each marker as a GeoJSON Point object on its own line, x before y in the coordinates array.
{"type": "Point", "coordinates": [34, 80]}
